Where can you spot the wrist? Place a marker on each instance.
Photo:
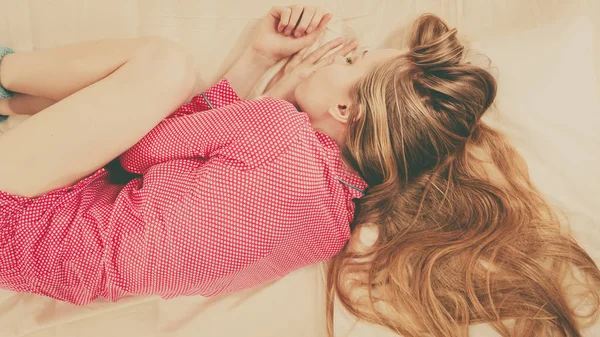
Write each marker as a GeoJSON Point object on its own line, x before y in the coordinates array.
{"type": "Point", "coordinates": [247, 71]}
{"type": "Point", "coordinates": [257, 59]}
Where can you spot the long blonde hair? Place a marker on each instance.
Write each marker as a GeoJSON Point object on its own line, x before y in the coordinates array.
{"type": "Point", "coordinates": [454, 247]}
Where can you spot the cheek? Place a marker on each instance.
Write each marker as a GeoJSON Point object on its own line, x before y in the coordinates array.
{"type": "Point", "coordinates": [309, 94]}
{"type": "Point", "coordinates": [321, 90]}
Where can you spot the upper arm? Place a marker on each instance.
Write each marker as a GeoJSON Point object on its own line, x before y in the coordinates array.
{"type": "Point", "coordinates": [173, 137]}
{"type": "Point", "coordinates": [186, 137]}
{"type": "Point", "coordinates": [248, 131]}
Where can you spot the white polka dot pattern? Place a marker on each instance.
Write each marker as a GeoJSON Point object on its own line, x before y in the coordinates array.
{"type": "Point", "coordinates": [229, 198]}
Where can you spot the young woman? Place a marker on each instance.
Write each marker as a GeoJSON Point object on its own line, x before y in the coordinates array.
{"type": "Point", "coordinates": [229, 194]}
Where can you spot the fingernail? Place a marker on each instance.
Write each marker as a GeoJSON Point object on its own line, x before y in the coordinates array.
{"type": "Point", "coordinates": [288, 32]}
{"type": "Point", "coordinates": [298, 34]}
{"type": "Point", "coordinates": [309, 30]}
{"type": "Point", "coordinates": [280, 29]}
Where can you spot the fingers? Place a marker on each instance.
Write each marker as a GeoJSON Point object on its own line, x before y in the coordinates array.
{"type": "Point", "coordinates": [299, 20]}
{"type": "Point", "coordinates": [313, 36]}
{"type": "Point", "coordinates": [323, 50]}
{"type": "Point", "coordinates": [296, 60]}
{"type": "Point", "coordinates": [324, 21]}
{"type": "Point", "coordinates": [299, 56]}
{"type": "Point", "coordinates": [314, 23]}
{"type": "Point", "coordinates": [294, 17]}
{"type": "Point", "coordinates": [283, 14]}
{"type": "Point", "coordinates": [347, 49]}
{"type": "Point", "coordinates": [322, 63]}
{"type": "Point", "coordinates": [305, 20]}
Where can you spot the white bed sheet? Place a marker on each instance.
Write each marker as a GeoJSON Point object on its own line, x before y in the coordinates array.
{"type": "Point", "coordinates": [216, 31]}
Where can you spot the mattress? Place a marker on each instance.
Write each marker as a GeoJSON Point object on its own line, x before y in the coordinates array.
{"type": "Point", "coordinates": [216, 31]}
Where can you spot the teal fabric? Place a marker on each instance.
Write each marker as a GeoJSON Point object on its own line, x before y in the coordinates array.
{"type": "Point", "coordinates": [3, 92]}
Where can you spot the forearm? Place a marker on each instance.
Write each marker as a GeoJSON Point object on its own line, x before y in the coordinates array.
{"type": "Point", "coordinates": [62, 71]}
{"type": "Point", "coordinates": [246, 72]}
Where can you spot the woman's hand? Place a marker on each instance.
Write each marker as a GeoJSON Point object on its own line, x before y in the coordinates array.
{"type": "Point", "coordinates": [299, 67]}
{"type": "Point", "coordinates": [288, 29]}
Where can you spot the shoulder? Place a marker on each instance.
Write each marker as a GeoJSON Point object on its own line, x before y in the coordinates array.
{"type": "Point", "coordinates": [257, 117]}
{"type": "Point", "coordinates": [275, 118]}
{"type": "Point", "coordinates": [266, 109]}
{"type": "Point", "coordinates": [281, 110]}
{"type": "Point", "coordinates": [267, 127]}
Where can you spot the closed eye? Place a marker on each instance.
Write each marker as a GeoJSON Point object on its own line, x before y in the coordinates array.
{"type": "Point", "coordinates": [352, 59]}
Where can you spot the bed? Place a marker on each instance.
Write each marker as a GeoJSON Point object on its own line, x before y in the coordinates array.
{"type": "Point", "coordinates": [543, 54]}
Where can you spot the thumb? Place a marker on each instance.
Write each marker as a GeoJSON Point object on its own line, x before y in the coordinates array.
{"type": "Point", "coordinates": [309, 39]}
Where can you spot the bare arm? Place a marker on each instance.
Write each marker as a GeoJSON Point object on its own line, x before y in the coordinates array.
{"type": "Point", "coordinates": [246, 71]}
{"type": "Point", "coordinates": [118, 90]}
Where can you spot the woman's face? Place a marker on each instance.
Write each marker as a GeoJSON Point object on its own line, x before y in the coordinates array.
{"type": "Point", "coordinates": [329, 87]}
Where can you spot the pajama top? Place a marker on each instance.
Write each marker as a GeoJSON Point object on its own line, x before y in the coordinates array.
{"type": "Point", "coordinates": [228, 194]}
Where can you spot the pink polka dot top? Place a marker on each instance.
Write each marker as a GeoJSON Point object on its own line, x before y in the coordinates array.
{"type": "Point", "coordinates": [227, 195]}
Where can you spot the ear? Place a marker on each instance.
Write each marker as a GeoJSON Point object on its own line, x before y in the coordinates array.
{"type": "Point", "coordinates": [340, 113]}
